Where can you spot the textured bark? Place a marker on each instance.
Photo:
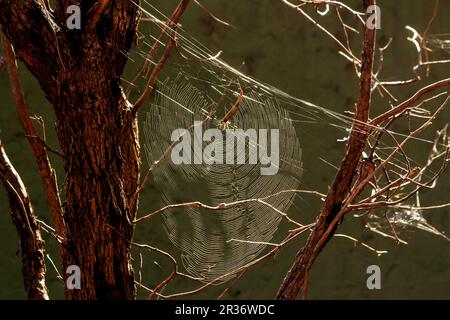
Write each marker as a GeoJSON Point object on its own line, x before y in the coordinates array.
{"type": "Point", "coordinates": [100, 143]}
{"type": "Point", "coordinates": [46, 171]}
{"type": "Point", "coordinates": [341, 185]}
{"type": "Point", "coordinates": [80, 72]}
{"type": "Point", "coordinates": [31, 243]}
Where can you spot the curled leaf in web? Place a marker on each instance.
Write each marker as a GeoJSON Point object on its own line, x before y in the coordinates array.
{"type": "Point", "coordinates": [213, 242]}
{"type": "Point", "coordinates": [395, 220]}
{"type": "Point", "coordinates": [409, 213]}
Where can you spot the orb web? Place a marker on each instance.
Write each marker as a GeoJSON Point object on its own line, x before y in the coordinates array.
{"type": "Point", "coordinates": [214, 242]}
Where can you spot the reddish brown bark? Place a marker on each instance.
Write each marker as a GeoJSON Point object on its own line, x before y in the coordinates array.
{"type": "Point", "coordinates": [39, 150]}
{"type": "Point", "coordinates": [79, 71]}
{"type": "Point", "coordinates": [297, 275]}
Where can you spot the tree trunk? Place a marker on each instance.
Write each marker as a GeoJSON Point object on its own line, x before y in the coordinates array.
{"type": "Point", "coordinates": [79, 70]}
{"type": "Point", "coordinates": [99, 138]}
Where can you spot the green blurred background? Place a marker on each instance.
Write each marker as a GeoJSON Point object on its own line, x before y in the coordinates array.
{"type": "Point", "coordinates": [278, 47]}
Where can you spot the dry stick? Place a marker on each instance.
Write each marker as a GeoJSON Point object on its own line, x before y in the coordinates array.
{"type": "Point", "coordinates": [46, 146]}
{"type": "Point", "coordinates": [337, 4]}
{"type": "Point", "coordinates": [166, 281]}
{"type": "Point", "coordinates": [411, 135]}
{"type": "Point", "coordinates": [348, 51]}
{"type": "Point", "coordinates": [408, 103]}
{"type": "Point", "coordinates": [169, 46]}
{"type": "Point", "coordinates": [222, 206]}
{"type": "Point", "coordinates": [403, 107]}
{"type": "Point", "coordinates": [341, 184]}
{"type": "Point", "coordinates": [45, 169]}
{"type": "Point", "coordinates": [205, 9]}
{"type": "Point", "coordinates": [439, 206]}
{"type": "Point", "coordinates": [383, 234]}
{"type": "Point", "coordinates": [380, 64]}
{"type": "Point", "coordinates": [234, 108]}
{"type": "Point", "coordinates": [365, 245]}
{"type": "Point", "coordinates": [381, 58]}
{"type": "Point", "coordinates": [150, 85]}
{"type": "Point", "coordinates": [347, 38]}
{"type": "Point", "coordinates": [173, 20]}
{"type": "Point", "coordinates": [416, 77]}
{"type": "Point", "coordinates": [415, 70]}
{"type": "Point", "coordinates": [425, 33]}
{"type": "Point", "coordinates": [24, 219]}
{"type": "Point", "coordinates": [402, 152]}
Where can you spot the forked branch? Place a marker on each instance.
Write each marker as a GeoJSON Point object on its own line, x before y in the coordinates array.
{"type": "Point", "coordinates": [342, 181]}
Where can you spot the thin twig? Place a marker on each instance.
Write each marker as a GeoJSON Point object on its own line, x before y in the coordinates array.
{"type": "Point", "coordinates": [208, 12]}
{"type": "Point", "coordinates": [425, 33]}
{"type": "Point", "coordinates": [223, 206]}
{"type": "Point", "coordinates": [45, 169]}
{"type": "Point", "coordinates": [170, 45]}
{"type": "Point", "coordinates": [408, 103]}
{"type": "Point", "coordinates": [46, 146]}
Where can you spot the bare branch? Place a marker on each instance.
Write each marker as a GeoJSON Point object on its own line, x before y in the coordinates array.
{"type": "Point", "coordinates": [223, 206]}
{"type": "Point", "coordinates": [341, 183]}
{"type": "Point", "coordinates": [171, 23]}
{"type": "Point", "coordinates": [45, 169]}
{"type": "Point", "coordinates": [408, 103]}
{"type": "Point", "coordinates": [22, 214]}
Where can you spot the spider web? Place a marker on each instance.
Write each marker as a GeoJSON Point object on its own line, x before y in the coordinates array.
{"type": "Point", "coordinates": [202, 86]}
{"type": "Point", "coordinates": [215, 242]}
